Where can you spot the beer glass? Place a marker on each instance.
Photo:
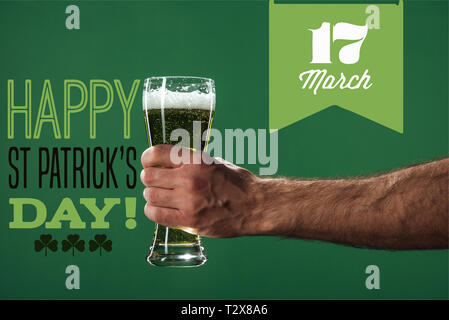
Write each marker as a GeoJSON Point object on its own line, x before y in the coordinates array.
{"type": "Point", "coordinates": [171, 103]}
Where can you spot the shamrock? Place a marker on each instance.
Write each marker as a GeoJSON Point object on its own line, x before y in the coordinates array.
{"type": "Point", "coordinates": [72, 243]}
{"type": "Point", "coordinates": [100, 242]}
{"type": "Point", "coordinates": [45, 242]}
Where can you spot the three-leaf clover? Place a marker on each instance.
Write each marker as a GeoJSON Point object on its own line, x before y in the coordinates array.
{"type": "Point", "coordinates": [45, 242]}
{"type": "Point", "coordinates": [72, 243]}
{"type": "Point", "coordinates": [100, 242]}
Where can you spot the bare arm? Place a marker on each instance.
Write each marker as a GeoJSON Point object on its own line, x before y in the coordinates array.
{"type": "Point", "coordinates": [405, 209]}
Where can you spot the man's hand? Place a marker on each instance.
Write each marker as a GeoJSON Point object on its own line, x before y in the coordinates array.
{"type": "Point", "coordinates": [404, 209]}
{"type": "Point", "coordinates": [214, 200]}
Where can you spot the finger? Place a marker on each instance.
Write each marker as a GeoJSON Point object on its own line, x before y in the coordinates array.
{"type": "Point", "coordinates": [162, 197]}
{"type": "Point", "coordinates": [168, 217]}
{"type": "Point", "coordinates": [158, 177]}
{"type": "Point", "coordinates": [158, 155]}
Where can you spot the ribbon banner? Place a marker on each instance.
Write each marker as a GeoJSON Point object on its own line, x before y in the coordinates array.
{"type": "Point", "coordinates": [345, 55]}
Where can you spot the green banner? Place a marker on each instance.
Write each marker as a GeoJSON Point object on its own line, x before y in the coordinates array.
{"type": "Point", "coordinates": [348, 55]}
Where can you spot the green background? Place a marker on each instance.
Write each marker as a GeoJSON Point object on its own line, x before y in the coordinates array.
{"type": "Point", "coordinates": [227, 41]}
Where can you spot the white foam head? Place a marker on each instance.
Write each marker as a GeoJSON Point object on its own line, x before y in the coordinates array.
{"type": "Point", "coordinates": [157, 99]}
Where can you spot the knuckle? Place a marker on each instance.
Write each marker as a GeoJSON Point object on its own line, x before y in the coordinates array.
{"type": "Point", "coordinates": [145, 157]}
{"type": "Point", "coordinates": [145, 177]}
{"type": "Point", "coordinates": [157, 151]}
{"type": "Point", "coordinates": [151, 154]}
{"type": "Point", "coordinates": [142, 176]}
{"type": "Point", "coordinates": [149, 175]}
{"type": "Point", "coordinates": [154, 213]}
{"type": "Point", "coordinates": [153, 195]}
{"type": "Point", "coordinates": [148, 211]}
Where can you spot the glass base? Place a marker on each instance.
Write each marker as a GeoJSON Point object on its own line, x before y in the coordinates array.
{"type": "Point", "coordinates": [177, 255]}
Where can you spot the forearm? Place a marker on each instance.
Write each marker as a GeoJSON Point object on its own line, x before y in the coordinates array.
{"type": "Point", "coordinates": [405, 209]}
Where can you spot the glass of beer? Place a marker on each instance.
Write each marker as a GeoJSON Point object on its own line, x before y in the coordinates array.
{"type": "Point", "coordinates": [171, 103]}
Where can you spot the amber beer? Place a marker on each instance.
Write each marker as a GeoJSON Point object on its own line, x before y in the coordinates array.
{"type": "Point", "coordinates": [171, 103]}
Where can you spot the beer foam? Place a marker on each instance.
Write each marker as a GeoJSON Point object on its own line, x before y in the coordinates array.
{"type": "Point", "coordinates": [178, 100]}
